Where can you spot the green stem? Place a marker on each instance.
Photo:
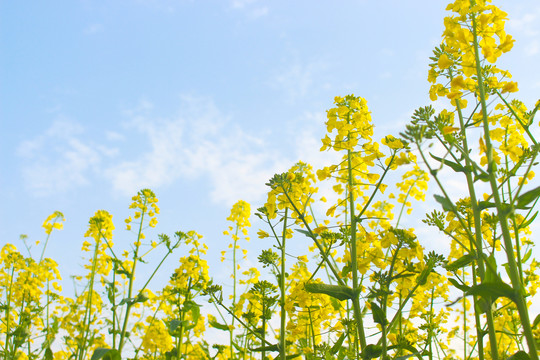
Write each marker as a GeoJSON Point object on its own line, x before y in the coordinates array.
{"type": "Point", "coordinates": [477, 240]}
{"type": "Point", "coordinates": [503, 216]}
{"type": "Point", "coordinates": [263, 332]}
{"type": "Point", "coordinates": [129, 304]}
{"type": "Point", "coordinates": [114, 334]}
{"type": "Point", "coordinates": [240, 321]}
{"type": "Point", "coordinates": [282, 344]}
{"type": "Point", "coordinates": [44, 246]}
{"type": "Point", "coordinates": [231, 331]}
{"type": "Point", "coordinates": [86, 321]}
{"type": "Point", "coordinates": [8, 311]}
{"type": "Point", "coordinates": [361, 336]}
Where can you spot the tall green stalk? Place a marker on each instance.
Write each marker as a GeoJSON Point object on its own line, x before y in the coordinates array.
{"type": "Point", "coordinates": [282, 341]}
{"type": "Point", "coordinates": [513, 271]}
{"type": "Point", "coordinates": [86, 321]}
{"type": "Point", "coordinates": [360, 334]}
{"type": "Point", "coordinates": [130, 303]}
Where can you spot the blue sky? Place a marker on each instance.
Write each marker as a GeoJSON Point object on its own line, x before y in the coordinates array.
{"type": "Point", "coordinates": [201, 101]}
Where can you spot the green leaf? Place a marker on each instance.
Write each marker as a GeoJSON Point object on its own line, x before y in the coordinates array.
{"type": "Point", "coordinates": [406, 357]}
{"type": "Point", "coordinates": [195, 313]}
{"type": "Point", "coordinates": [339, 292]}
{"type": "Point", "coordinates": [536, 321]}
{"type": "Point", "coordinates": [274, 347]}
{"type": "Point", "coordinates": [342, 353]}
{"type": "Point", "coordinates": [346, 270]}
{"type": "Point", "coordinates": [48, 354]}
{"type": "Point", "coordinates": [378, 314]}
{"type": "Point", "coordinates": [483, 176]}
{"type": "Point", "coordinates": [338, 344]}
{"type": "Point", "coordinates": [482, 205]}
{"type": "Point", "coordinates": [173, 325]}
{"type": "Point", "coordinates": [528, 197]}
{"type": "Point", "coordinates": [129, 301]}
{"type": "Point", "coordinates": [141, 298]}
{"type": "Point", "coordinates": [504, 207]}
{"type": "Point", "coordinates": [371, 352]}
{"type": "Point", "coordinates": [237, 347]}
{"type": "Point", "coordinates": [293, 356]}
{"type": "Point", "coordinates": [106, 354]}
{"type": "Point", "coordinates": [490, 275]}
{"type": "Point", "coordinates": [215, 324]}
{"type": "Point", "coordinates": [456, 167]}
{"type": "Point", "coordinates": [446, 204]}
{"type": "Point", "coordinates": [520, 355]}
{"type": "Point", "coordinates": [492, 291]}
{"type": "Point", "coordinates": [461, 262]}
{"type": "Point", "coordinates": [123, 272]}
{"type": "Point", "coordinates": [528, 222]}
{"type": "Point", "coordinates": [461, 287]}
{"type": "Point", "coordinates": [422, 278]}
{"type": "Point", "coordinates": [408, 347]}
{"type": "Point", "coordinates": [307, 233]}
{"type": "Point", "coordinates": [526, 256]}
{"type": "Point", "coordinates": [335, 303]}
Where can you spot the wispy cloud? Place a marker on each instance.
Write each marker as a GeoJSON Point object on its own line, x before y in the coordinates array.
{"type": "Point", "coordinates": [59, 159]}
{"type": "Point", "coordinates": [199, 142]}
{"type": "Point", "coordinates": [533, 48]}
{"type": "Point", "coordinates": [251, 8]}
{"type": "Point", "coordinates": [297, 79]}
{"type": "Point", "coordinates": [526, 27]}
{"type": "Point", "coordinates": [526, 23]}
{"type": "Point", "coordinates": [94, 29]}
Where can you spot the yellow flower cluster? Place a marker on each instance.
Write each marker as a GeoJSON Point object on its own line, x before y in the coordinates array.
{"type": "Point", "coordinates": [474, 23]}
{"type": "Point", "coordinates": [100, 226]}
{"type": "Point", "coordinates": [292, 190]}
{"type": "Point", "coordinates": [145, 204]}
{"type": "Point", "coordinates": [56, 223]}
{"type": "Point", "coordinates": [351, 120]}
{"type": "Point", "coordinates": [23, 284]}
{"type": "Point", "coordinates": [240, 213]}
{"type": "Point", "coordinates": [157, 338]}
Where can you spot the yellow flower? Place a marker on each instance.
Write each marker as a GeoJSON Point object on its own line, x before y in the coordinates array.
{"type": "Point", "coordinates": [56, 218]}
{"type": "Point", "coordinates": [449, 129]}
{"type": "Point", "coordinates": [444, 62]}
{"type": "Point", "coordinates": [510, 86]}
{"type": "Point", "coordinates": [392, 142]}
{"type": "Point", "coordinates": [458, 83]}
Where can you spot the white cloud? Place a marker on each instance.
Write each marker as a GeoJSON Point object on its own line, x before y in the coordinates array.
{"type": "Point", "coordinates": [250, 7]}
{"type": "Point", "coordinates": [58, 159]}
{"type": "Point", "coordinates": [200, 142]}
{"type": "Point", "coordinates": [525, 23]}
{"type": "Point", "coordinates": [114, 136]}
{"type": "Point", "coordinates": [525, 27]}
{"type": "Point", "coordinates": [387, 52]}
{"type": "Point", "coordinates": [533, 48]}
{"type": "Point", "coordinates": [297, 79]}
{"type": "Point", "coordinates": [241, 4]}
{"type": "Point", "coordinates": [94, 29]}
